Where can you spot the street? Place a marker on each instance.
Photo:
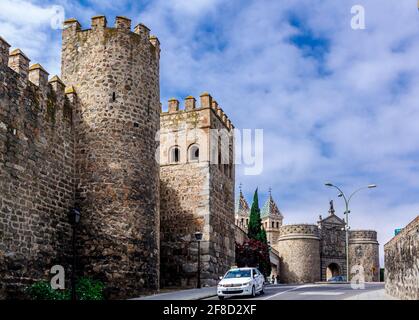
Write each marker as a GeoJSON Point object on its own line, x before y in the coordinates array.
{"type": "Point", "coordinates": [372, 291]}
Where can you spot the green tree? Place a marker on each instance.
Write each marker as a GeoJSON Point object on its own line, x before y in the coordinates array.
{"type": "Point", "coordinates": [263, 237]}
{"type": "Point", "coordinates": [255, 229]}
{"type": "Point", "coordinates": [255, 223]}
{"type": "Point", "coordinates": [255, 251]}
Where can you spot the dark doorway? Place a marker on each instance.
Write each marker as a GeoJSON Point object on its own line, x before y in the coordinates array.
{"type": "Point", "coordinates": [332, 270]}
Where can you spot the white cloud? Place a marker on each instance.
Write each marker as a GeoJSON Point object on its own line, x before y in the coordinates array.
{"type": "Point", "coordinates": [350, 117]}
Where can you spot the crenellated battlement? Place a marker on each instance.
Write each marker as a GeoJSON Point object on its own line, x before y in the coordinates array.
{"type": "Point", "coordinates": [206, 102]}
{"type": "Point", "coordinates": [99, 27]}
{"type": "Point", "coordinates": [49, 101]}
{"type": "Point", "coordinates": [36, 168]}
{"type": "Point", "coordinates": [115, 72]}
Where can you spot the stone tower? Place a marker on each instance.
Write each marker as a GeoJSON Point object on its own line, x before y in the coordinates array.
{"type": "Point", "coordinates": [197, 192]}
{"type": "Point", "coordinates": [242, 212]}
{"type": "Point", "coordinates": [271, 219]}
{"type": "Point", "coordinates": [299, 251]}
{"type": "Point", "coordinates": [115, 73]}
{"type": "Point", "coordinates": [332, 245]}
{"type": "Point", "coordinates": [364, 251]}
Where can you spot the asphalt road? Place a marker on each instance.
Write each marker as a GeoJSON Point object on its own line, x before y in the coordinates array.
{"type": "Point", "coordinates": [313, 292]}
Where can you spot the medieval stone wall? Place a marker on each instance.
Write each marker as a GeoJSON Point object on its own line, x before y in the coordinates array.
{"type": "Point", "coordinates": [401, 259]}
{"type": "Point", "coordinates": [222, 183]}
{"type": "Point", "coordinates": [36, 172]}
{"type": "Point", "coordinates": [364, 251]}
{"type": "Point", "coordinates": [240, 235]}
{"type": "Point", "coordinates": [299, 250]}
{"type": "Point", "coordinates": [195, 196]}
{"type": "Point", "coordinates": [184, 189]}
{"type": "Point", "coordinates": [115, 73]}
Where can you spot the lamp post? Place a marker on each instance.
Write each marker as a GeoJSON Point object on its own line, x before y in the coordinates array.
{"type": "Point", "coordinates": [74, 221]}
{"type": "Point", "coordinates": [198, 238]}
{"type": "Point", "coordinates": [347, 211]}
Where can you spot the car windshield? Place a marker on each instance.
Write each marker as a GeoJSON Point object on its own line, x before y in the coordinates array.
{"type": "Point", "coordinates": [238, 274]}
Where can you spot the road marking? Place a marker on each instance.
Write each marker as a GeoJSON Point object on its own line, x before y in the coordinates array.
{"type": "Point", "coordinates": [321, 293]}
{"type": "Point", "coordinates": [293, 289]}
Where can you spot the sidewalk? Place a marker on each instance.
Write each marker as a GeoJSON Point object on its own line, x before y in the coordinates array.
{"type": "Point", "coordinates": [372, 295]}
{"type": "Point", "coordinates": [191, 294]}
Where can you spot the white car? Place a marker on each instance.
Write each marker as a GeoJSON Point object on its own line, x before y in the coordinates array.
{"type": "Point", "coordinates": [241, 282]}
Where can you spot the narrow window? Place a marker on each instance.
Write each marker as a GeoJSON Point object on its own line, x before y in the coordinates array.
{"type": "Point", "coordinates": [175, 155]}
{"type": "Point", "coordinates": [113, 96]}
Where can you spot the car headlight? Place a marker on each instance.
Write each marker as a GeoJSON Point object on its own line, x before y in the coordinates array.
{"type": "Point", "coordinates": [246, 283]}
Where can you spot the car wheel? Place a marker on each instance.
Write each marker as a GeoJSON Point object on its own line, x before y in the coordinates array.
{"type": "Point", "coordinates": [253, 292]}
{"type": "Point", "coordinates": [262, 291]}
{"type": "Point", "coordinates": [220, 297]}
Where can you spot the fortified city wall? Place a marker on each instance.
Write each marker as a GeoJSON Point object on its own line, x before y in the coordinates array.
{"type": "Point", "coordinates": [401, 258]}
{"type": "Point", "coordinates": [36, 171]}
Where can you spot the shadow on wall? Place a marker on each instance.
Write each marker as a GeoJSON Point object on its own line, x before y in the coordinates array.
{"type": "Point", "coordinates": [286, 275]}
{"type": "Point", "coordinates": [178, 248]}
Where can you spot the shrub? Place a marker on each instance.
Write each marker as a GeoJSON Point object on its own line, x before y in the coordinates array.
{"type": "Point", "coordinates": [254, 253]}
{"type": "Point", "coordinates": [42, 290]}
{"type": "Point", "coordinates": [86, 289]}
{"type": "Point", "coordinates": [89, 289]}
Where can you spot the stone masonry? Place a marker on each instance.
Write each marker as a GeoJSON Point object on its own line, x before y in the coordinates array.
{"type": "Point", "coordinates": [115, 73]}
{"type": "Point", "coordinates": [299, 247]}
{"type": "Point", "coordinates": [91, 141]}
{"type": "Point", "coordinates": [332, 245]}
{"type": "Point", "coordinates": [197, 192]}
{"type": "Point", "coordinates": [364, 251]}
{"type": "Point", "coordinates": [36, 171]}
{"type": "Point", "coordinates": [401, 258]}
{"type": "Point", "coordinates": [310, 253]}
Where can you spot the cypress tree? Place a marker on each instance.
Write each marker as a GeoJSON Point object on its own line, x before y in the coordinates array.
{"type": "Point", "coordinates": [255, 223]}
{"type": "Point", "coordinates": [262, 236]}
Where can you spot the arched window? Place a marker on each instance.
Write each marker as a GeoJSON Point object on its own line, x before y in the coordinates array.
{"type": "Point", "coordinates": [175, 155]}
{"type": "Point", "coordinates": [273, 225]}
{"type": "Point", "coordinates": [194, 153]}
{"type": "Point", "coordinates": [277, 225]}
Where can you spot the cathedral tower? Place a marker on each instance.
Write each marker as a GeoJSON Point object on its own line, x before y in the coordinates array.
{"type": "Point", "coordinates": [271, 219]}
{"type": "Point", "coordinates": [115, 73]}
{"type": "Point", "coordinates": [242, 212]}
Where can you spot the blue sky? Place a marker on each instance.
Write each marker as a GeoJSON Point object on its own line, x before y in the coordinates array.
{"type": "Point", "coordinates": [335, 104]}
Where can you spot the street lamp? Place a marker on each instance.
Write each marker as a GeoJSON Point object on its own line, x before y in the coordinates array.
{"type": "Point", "coordinates": [347, 211]}
{"type": "Point", "coordinates": [198, 238]}
{"type": "Point", "coordinates": [74, 217]}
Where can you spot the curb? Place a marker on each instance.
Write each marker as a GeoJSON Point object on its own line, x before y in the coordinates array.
{"type": "Point", "coordinates": [203, 298]}
{"type": "Point", "coordinates": [333, 282]}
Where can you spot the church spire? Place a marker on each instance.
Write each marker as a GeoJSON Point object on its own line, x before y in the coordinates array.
{"type": "Point", "coordinates": [270, 208]}
{"type": "Point", "coordinates": [242, 207]}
